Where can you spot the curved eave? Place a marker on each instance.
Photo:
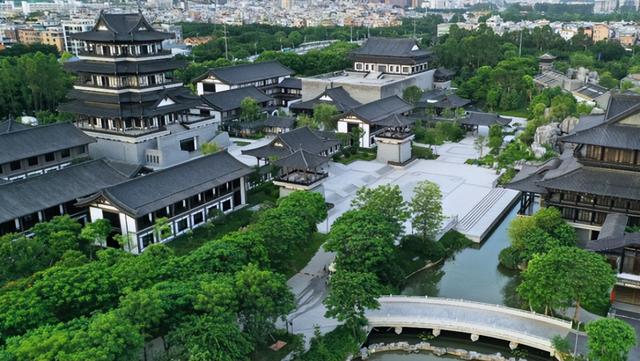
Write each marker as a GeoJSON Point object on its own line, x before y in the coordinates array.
{"type": "Point", "coordinates": [110, 37]}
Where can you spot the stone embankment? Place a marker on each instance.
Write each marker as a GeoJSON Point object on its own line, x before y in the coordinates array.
{"type": "Point", "coordinates": [365, 352]}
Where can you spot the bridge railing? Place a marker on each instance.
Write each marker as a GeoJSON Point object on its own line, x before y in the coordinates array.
{"type": "Point", "coordinates": [477, 305]}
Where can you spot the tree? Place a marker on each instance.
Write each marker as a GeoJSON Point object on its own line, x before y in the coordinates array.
{"type": "Point", "coordinates": [566, 275]}
{"type": "Point", "coordinates": [607, 80]}
{"type": "Point", "coordinates": [325, 114]}
{"type": "Point", "coordinates": [610, 339]}
{"type": "Point", "coordinates": [385, 199]}
{"type": "Point", "coordinates": [210, 337]}
{"type": "Point", "coordinates": [412, 94]}
{"type": "Point", "coordinates": [162, 229]}
{"type": "Point", "coordinates": [307, 121]}
{"type": "Point", "coordinates": [350, 295]}
{"type": "Point", "coordinates": [363, 241]}
{"type": "Point", "coordinates": [496, 138]}
{"type": "Point", "coordinates": [479, 144]}
{"type": "Point", "coordinates": [263, 298]}
{"type": "Point", "coordinates": [209, 148]}
{"type": "Point", "coordinates": [96, 233]}
{"type": "Point", "coordinates": [309, 205]}
{"type": "Point", "coordinates": [426, 207]}
{"type": "Point", "coordinates": [283, 233]}
{"type": "Point", "coordinates": [250, 110]}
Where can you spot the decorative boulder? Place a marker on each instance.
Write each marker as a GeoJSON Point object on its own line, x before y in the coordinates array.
{"type": "Point", "coordinates": [545, 134]}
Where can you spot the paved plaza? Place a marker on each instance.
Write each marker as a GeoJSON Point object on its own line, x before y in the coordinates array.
{"type": "Point", "coordinates": [466, 189]}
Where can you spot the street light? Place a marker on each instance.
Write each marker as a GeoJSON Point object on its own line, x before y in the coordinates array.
{"type": "Point", "coordinates": [575, 348]}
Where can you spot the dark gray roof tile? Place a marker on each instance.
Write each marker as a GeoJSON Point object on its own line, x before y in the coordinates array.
{"type": "Point", "coordinates": [231, 99]}
{"type": "Point", "coordinates": [247, 73]}
{"type": "Point", "coordinates": [381, 109]}
{"type": "Point", "coordinates": [33, 141]}
{"type": "Point", "coordinates": [30, 195]}
{"type": "Point", "coordinates": [162, 188]}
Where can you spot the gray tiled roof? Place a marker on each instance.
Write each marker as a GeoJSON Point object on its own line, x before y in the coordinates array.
{"type": "Point", "coordinates": [33, 141]}
{"type": "Point", "coordinates": [162, 188]}
{"type": "Point", "coordinates": [246, 73]}
{"type": "Point", "coordinates": [231, 99]}
{"type": "Point", "coordinates": [122, 27]}
{"type": "Point", "coordinates": [124, 67]}
{"type": "Point", "coordinates": [396, 120]}
{"type": "Point", "coordinates": [486, 119]}
{"type": "Point", "coordinates": [527, 178]}
{"type": "Point", "coordinates": [26, 196]}
{"type": "Point", "coordinates": [340, 98]}
{"type": "Point", "coordinates": [301, 159]}
{"type": "Point", "coordinates": [396, 48]}
{"type": "Point", "coordinates": [592, 91]}
{"type": "Point", "coordinates": [280, 122]}
{"type": "Point", "coordinates": [587, 122]}
{"type": "Point", "coordinates": [598, 181]}
{"type": "Point", "coordinates": [129, 104]}
{"type": "Point", "coordinates": [11, 125]}
{"type": "Point", "coordinates": [381, 109]}
{"type": "Point", "coordinates": [291, 83]}
{"type": "Point", "coordinates": [609, 132]}
{"type": "Point", "coordinates": [300, 138]}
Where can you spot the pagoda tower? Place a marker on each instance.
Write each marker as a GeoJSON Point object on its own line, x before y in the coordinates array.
{"type": "Point", "coordinates": [125, 95]}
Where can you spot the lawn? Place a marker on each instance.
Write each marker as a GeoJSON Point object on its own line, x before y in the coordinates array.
{"type": "Point", "coordinates": [266, 192]}
{"type": "Point", "coordinates": [360, 155]}
{"type": "Point", "coordinates": [188, 242]}
{"type": "Point", "coordinates": [241, 143]}
{"type": "Point", "coordinates": [521, 113]}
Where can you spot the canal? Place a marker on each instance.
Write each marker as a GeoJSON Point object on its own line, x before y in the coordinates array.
{"type": "Point", "coordinates": [473, 274]}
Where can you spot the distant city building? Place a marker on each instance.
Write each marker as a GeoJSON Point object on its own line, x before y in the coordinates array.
{"type": "Point", "coordinates": [73, 26]}
{"type": "Point", "coordinates": [127, 99]}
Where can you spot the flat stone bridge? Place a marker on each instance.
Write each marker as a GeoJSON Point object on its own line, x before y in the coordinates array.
{"type": "Point", "coordinates": [518, 327]}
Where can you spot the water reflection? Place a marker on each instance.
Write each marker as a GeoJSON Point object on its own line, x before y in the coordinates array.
{"type": "Point", "coordinates": [473, 274]}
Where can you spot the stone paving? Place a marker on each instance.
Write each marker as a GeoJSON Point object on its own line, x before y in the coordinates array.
{"type": "Point", "coordinates": [463, 186]}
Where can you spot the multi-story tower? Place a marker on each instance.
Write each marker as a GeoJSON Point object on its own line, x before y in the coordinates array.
{"type": "Point", "coordinates": [126, 98]}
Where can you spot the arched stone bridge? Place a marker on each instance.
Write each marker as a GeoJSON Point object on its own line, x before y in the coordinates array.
{"type": "Point", "coordinates": [477, 319]}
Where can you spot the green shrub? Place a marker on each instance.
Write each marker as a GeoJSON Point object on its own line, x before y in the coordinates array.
{"type": "Point", "coordinates": [509, 258]}
{"type": "Point", "coordinates": [454, 241]}
{"type": "Point", "coordinates": [507, 176]}
{"type": "Point", "coordinates": [412, 244]}
{"type": "Point", "coordinates": [336, 345]}
{"type": "Point", "coordinates": [423, 153]}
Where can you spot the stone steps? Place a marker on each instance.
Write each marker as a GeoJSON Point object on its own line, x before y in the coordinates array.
{"type": "Point", "coordinates": [480, 209]}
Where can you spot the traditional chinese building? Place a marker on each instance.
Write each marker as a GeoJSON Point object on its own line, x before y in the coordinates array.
{"type": "Point", "coordinates": [27, 151]}
{"type": "Point", "coordinates": [271, 77]}
{"type": "Point", "coordinates": [599, 171]}
{"type": "Point", "coordinates": [126, 97]}
{"type": "Point", "coordinates": [186, 195]}
{"type": "Point", "coordinates": [371, 118]}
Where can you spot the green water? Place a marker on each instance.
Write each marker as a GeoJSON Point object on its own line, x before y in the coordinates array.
{"type": "Point", "coordinates": [473, 274]}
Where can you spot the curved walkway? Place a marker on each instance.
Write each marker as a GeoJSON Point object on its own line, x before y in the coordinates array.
{"type": "Point", "coordinates": [479, 319]}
